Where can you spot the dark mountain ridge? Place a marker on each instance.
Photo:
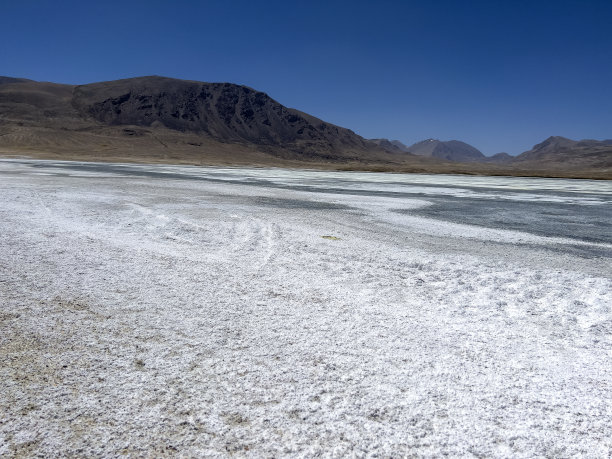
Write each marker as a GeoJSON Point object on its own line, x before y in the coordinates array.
{"type": "Point", "coordinates": [221, 111]}
{"type": "Point", "coordinates": [224, 111]}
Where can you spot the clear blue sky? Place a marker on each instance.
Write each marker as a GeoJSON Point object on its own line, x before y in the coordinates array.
{"type": "Point", "coordinates": [500, 75]}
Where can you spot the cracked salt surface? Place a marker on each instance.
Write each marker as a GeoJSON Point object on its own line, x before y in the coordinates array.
{"type": "Point", "coordinates": [203, 313]}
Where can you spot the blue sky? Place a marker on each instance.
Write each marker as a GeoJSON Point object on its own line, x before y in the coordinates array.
{"type": "Point", "coordinates": [500, 75]}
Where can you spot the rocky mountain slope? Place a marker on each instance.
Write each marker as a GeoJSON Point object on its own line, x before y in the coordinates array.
{"type": "Point", "coordinates": [160, 110]}
{"type": "Point", "coordinates": [223, 111]}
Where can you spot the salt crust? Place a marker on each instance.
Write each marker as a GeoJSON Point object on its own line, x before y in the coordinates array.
{"type": "Point", "coordinates": [164, 317]}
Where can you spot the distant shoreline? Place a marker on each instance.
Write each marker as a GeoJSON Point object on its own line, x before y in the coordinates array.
{"type": "Point", "coordinates": [459, 169]}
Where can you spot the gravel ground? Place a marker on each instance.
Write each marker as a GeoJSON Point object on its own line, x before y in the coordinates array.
{"type": "Point", "coordinates": [250, 312]}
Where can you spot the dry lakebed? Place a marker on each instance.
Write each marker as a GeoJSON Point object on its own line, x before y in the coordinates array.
{"type": "Point", "coordinates": [151, 310]}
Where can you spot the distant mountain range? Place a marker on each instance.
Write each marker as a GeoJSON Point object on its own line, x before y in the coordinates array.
{"type": "Point", "coordinates": [452, 150]}
{"type": "Point", "coordinates": [169, 120]}
{"type": "Point", "coordinates": [392, 145]}
{"type": "Point", "coordinates": [572, 153]}
{"type": "Point", "coordinates": [555, 151]}
{"type": "Point", "coordinates": [501, 158]}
